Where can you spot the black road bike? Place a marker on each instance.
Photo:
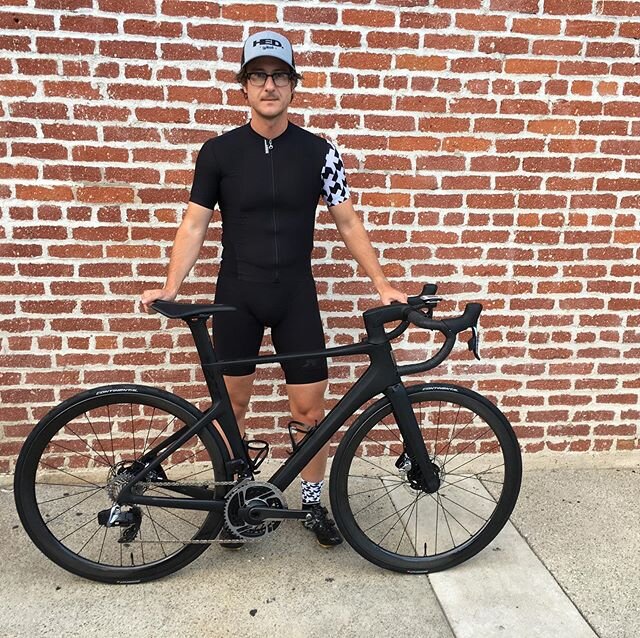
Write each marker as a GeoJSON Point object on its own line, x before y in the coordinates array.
{"type": "Point", "coordinates": [127, 483]}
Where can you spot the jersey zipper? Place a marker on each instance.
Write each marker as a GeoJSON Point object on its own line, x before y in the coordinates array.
{"type": "Point", "coordinates": [268, 147]}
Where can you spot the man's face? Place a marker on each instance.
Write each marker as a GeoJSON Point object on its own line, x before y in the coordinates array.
{"type": "Point", "coordinates": [269, 100]}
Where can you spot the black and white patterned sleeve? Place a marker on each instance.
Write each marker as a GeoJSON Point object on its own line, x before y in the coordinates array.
{"type": "Point", "coordinates": [334, 181]}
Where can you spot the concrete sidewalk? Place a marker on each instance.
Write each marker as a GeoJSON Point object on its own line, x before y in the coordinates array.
{"type": "Point", "coordinates": [568, 566]}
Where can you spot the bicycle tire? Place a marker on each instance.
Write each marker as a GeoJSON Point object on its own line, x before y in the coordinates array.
{"type": "Point", "coordinates": [73, 451]}
{"type": "Point", "coordinates": [366, 484]}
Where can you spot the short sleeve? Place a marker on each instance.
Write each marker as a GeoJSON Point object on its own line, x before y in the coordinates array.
{"type": "Point", "coordinates": [206, 177]}
{"type": "Point", "coordinates": [334, 181]}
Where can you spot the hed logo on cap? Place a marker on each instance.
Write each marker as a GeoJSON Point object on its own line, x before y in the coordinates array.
{"type": "Point", "coordinates": [267, 43]}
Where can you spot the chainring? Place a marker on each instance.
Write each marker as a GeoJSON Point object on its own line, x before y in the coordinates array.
{"type": "Point", "coordinates": [252, 494]}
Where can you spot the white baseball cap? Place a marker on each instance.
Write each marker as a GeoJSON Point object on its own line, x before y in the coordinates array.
{"type": "Point", "coordinates": [267, 43]}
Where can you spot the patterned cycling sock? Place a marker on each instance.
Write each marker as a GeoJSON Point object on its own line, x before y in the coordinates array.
{"type": "Point", "coordinates": [311, 492]}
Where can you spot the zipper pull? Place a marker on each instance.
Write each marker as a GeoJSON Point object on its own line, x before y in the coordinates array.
{"type": "Point", "coordinates": [268, 147]}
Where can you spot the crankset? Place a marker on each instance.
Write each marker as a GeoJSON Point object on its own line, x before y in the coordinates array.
{"type": "Point", "coordinates": [247, 495]}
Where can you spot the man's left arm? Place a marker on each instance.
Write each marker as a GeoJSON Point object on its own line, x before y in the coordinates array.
{"type": "Point", "coordinates": [357, 241]}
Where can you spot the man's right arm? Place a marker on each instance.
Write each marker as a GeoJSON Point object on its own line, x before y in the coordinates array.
{"type": "Point", "coordinates": [184, 253]}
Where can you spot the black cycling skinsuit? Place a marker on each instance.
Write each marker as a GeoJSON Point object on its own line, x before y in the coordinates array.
{"type": "Point", "coordinates": [268, 192]}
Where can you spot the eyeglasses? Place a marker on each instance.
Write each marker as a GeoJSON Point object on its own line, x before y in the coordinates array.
{"type": "Point", "coordinates": [259, 78]}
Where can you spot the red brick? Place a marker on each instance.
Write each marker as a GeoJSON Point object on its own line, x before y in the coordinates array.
{"type": "Point", "coordinates": [421, 62]}
{"type": "Point", "coordinates": [29, 21]}
{"type": "Point", "coordinates": [557, 47]}
{"type": "Point", "coordinates": [65, 46]}
{"type": "Point", "coordinates": [155, 29]}
{"type": "Point", "coordinates": [334, 37]}
{"type": "Point", "coordinates": [620, 8]}
{"type": "Point", "coordinates": [422, 19]}
{"type": "Point", "coordinates": [88, 24]}
{"type": "Point", "coordinates": [250, 12]}
{"type": "Point", "coordinates": [128, 49]}
{"type": "Point", "coordinates": [506, 45]}
{"type": "Point", "coordinates": [537, 26]}
{"type": "Point", "coordinates": [472, 22]}
{"type": "Point", "coordinates": [393, 40]}
{"type": "Point", "coordinates": [132, 6]}
{"type": "Point", "coordinates": [519, 6]}
{"type": "Point", "coordinates": [560, 7]}
{"type": "Point", "coordinates": [14, 88]}
{"type": "Point", "coordinates": [610, 50]}
{"type": "Point", "coordinates": [368, 18]}
{"type": "Point", "coordinates": [310, 15]}
{"type": "Point", "coordinates": [215, 32]}
{"type": "Point", "coordinates": [591, 28]}
{"type": "Point", "coordinates": [366, 60]}
{"type": "Point", "coordinates": [190, 8]}
{"type": "Point", "coordinates": [535, 67]}
{"type": "Point", "coordinates": [71, 90]}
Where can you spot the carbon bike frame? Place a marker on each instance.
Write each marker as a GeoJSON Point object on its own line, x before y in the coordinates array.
{"type": "Point", "coordinates": [382, 376]}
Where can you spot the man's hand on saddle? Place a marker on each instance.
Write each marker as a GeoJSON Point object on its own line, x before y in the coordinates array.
{"type": "Point", "coordinates": [149, 296]}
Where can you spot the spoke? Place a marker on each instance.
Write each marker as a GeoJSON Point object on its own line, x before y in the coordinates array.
{"type": "Point", "coordinates": [162, 431]}
{"type": "Point", "coordinates": [77, 529]}
{"type": "Point", "coordinates": [404, 527]}
{"type": "Point", "coordinates": [437, 500]}
{"type": "Point", "coordinates": [476, 474]}
{"type": "Point", "coordinates": [59, 498]}
{"type": "Point", "coordinates": [69, 474]}
{"type": "Point", "coordinates": [381, 443]}
{"type": "Point", "coordinates": [103, 456]}
{"type": "Point", "coordinates": [399, 516]}
{"type": "Point", "coordinates": [376, 500]}
{"type": "Point", "coordinates": [104, 538]}
{"type": "Point", "coordinates": [362, 458]}
{"type": "Point", "coordinates": [453, 432]}
{"type": "Point", "coordinates": [444, 509]}
{"type": "Point", "coordinates": [79, 552]}
{"type": "Point", "coordinates": [86, 498]}
{"type": "Point", "coordinates": [162, 527]}
{"type": "Point", "coordinates": [184, 478]}
{"type": "Point", "coordinates": [133, 434]}
{"type": "Point", "coordinates": [435, 445]}
{"type": "Point", "coordinates": [464, 489]}
{"type": "Point", "coordinates": [466, 509]}
{"type": "Point", "coordinates": [393, 431]}
{"type": "Point", "coordinates": [183, 460]}
{"type": "Point", "coordinates": [146, 437]}
{"type": "Point", "coordinates": [375, 489]}
{"type": "Point", "coordinates": [482, 432]}
{"type": "Point", "coordinates": [416, 530]}
{"type": "Point", "coordinates": [168, 511]}
{"type": "Point", "coordinates": [495, 447]}
{"type": "Point", "coordinates": [86, 456]}
{"type": "Point", "coordinates": [446, 520]}
{"type": "Point", "coordinates": [86, 416]}
{"type": "Point", "coordinates": [376, 478]}
{"type": "Point", "coordinates": [396, 513]}
{"type": "Point", "coordinates": [113, 452]}
{"type": "Point", "coordinates": [155, 529]}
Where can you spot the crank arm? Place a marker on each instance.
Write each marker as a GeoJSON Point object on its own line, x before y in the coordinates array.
{"type": "Point", "coordinates": [253, 515]}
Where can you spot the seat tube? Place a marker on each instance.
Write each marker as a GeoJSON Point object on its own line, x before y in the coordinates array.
{"type": "Point", "coordinates": [216, 386]}
{"type": "Point", "coordinates": [410, 430]}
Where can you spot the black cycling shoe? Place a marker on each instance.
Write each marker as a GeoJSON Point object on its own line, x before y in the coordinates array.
{"type": "Point", "coordinates": [229, 540]}
{"type": "Point", "coordinates": [323, 527]}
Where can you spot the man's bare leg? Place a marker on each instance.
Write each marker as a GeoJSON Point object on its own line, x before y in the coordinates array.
{"type": "Point", "coordinates": [306, 402]}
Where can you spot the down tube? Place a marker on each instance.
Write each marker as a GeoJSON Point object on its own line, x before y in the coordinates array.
{"type": "Point", "coordinates": [374, 381]}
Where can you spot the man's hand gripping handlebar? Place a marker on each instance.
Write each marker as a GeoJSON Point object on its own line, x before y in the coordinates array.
{"type": "Point", "coordinates": [419, 312]}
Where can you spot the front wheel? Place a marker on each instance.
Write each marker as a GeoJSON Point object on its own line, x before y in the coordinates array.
{"type": "Point", "coordinates": [376, 495]}
{"type": "Point", "coordinates": [77, 459]}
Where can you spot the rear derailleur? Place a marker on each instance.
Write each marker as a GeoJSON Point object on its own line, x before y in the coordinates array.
{"type": "Point", "coordinates": [129, 520]}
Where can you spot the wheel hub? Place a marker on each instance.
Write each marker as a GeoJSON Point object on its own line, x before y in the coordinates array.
{"type": "Point", "coordinates": [410, 472]}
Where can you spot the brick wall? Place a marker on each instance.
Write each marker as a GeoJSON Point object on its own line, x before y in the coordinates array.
{"type": "Point", "coordinates": [492, 146]}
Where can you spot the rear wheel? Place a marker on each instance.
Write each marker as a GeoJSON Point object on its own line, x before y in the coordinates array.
{"type": "Point", "coordinates": [376, 493]}
{"type": "Point", "coordinates": [75, 462]}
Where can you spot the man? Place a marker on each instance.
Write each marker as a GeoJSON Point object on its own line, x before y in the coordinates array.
{"type": "Point", "coordinates": [267, 177]}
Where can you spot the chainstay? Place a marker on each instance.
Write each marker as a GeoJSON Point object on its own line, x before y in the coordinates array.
{"type": "Point", "coordinates": [193, 541]}
{"type": "Point", "coordinates": [181, 484]}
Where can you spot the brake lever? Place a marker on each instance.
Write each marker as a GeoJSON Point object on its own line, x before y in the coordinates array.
{"type": "Point", "coordinates": [474, 343]}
